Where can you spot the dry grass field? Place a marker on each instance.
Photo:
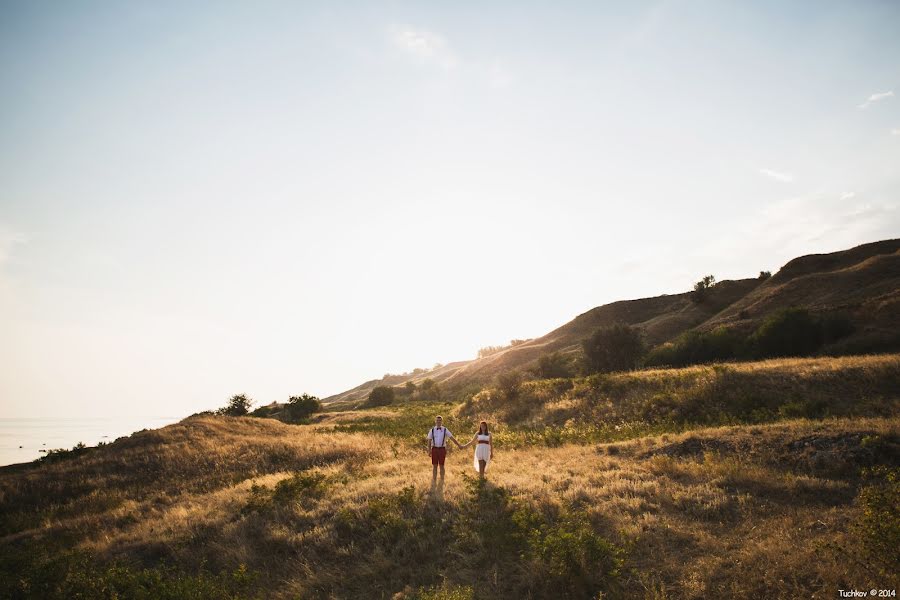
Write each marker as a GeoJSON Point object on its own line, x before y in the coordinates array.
{"type": "Point", "coordinates": [771, 505]}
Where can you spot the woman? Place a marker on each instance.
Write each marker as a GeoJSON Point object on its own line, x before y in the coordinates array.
{"type": "Point", "coordinates": [484, 448]}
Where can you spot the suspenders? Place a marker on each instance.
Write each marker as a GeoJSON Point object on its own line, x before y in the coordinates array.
{"type": "Point", "coordinates": [443, 439]}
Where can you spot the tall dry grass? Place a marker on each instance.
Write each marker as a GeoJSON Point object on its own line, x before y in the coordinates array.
{"type": "Point", "coordinates": [239, 507]}
{"type": "Point", "coordinates": [710, 394]}
{"type": "Point", "coordinates": [732, 511]}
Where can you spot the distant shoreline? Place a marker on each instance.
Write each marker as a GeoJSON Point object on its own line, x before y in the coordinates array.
{"type": "Point", "coordinates": [24, 440]}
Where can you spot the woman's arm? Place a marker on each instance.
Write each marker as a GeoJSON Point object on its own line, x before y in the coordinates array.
{"type": "Point", "coordinates": [469, 443]}
{"type": "Point", "coordinates": [491, 444]}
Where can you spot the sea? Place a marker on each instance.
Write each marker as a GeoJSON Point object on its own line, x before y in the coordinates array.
{"type": "Point", "coordinates": [24, 439]}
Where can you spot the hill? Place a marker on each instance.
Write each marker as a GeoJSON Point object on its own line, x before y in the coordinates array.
{"type": "Point", "coordinates": [762, 478]}
{"type": "Point", "coordinates": [678, 483]}
{"type": "Point", "coordinates": [862, 283]}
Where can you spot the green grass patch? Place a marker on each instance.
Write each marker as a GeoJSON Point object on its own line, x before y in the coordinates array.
{"type": "Point", "coordinates": [42, 572]}
{"type": "Point", "coordinates": [302, 489]}
{"type": "Point", "coordinates": [410, 422]}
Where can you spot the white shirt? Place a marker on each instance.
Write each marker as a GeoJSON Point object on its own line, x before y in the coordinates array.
{"type": "Point", "coordinates": [438, 436]}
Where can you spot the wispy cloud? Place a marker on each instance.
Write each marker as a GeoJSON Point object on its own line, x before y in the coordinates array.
{"type": "Point", "coordinates": [876, 98]}
{"type": "Point", "coordinates": [895, 131]}
{"type": "Point", "coordinates": [425, 47]}
{"type": "Point", "coordinates": [848, 195]}
{"type": "Point", "coordinates": [785, 177]}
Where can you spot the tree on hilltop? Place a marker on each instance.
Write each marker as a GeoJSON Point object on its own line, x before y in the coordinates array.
{"type": "Point", "coordinates": [238, 406]}
{"type": "Point", "coordinates": [301, 407]}
{"type": "Point", "coordinates": [701, 288]}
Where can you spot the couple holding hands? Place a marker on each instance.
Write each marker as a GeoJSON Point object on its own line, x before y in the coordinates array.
{"type": "Point", "coordinates": [437, 447]}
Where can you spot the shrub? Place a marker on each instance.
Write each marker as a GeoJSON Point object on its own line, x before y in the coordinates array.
{"type": "Point", "coordinates": [382, 395]}
{"type": "Point", "coordinates": [763, 275]}
{"type": "Point", "coordinates": [508, 384]}
{"type": "Point", "coordinates": [617, 347]}
{"type": "Point", "coordinates": [56, 454]}
{"type": "Point", "coordinates": [578, 560]}
{"type": "Point", "coordinates": [40, 571]}
{"type": "Point", "coordinates": [562, 554]}
{"type": "Point", "coordinates": [301, 488]}
{"type": "Point", "coordinates": [238, 406]}
{"type": "Point", "coordinates": [693, 347]}
{"type": "Point", "coordinates": [701, 288]}
{"type": "Point", "coordinates": [429, 390]}
{"type": "Point", "coordinates": [789, 332]}
{"type": "Point", "coordinates": [301, 407]}
{"type": "Point", "coordinates": [264, 411]}
{"type": "Point", "coordinates": [551, 366]}
{"type": "Point", "coordinates": [879, 522]}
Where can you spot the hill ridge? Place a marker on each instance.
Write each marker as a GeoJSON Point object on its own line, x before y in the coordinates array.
{"type": "Point", "coordinates": [863, 281]}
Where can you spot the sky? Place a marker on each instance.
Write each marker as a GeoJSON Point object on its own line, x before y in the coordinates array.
{"type": "Point", "coordinates": [199, 199]}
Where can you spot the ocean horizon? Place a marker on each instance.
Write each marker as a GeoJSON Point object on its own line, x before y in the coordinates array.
{"type": "Point", "coordinates": [28, 438]}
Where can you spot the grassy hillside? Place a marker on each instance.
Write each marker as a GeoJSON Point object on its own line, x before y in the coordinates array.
{"type": "Point", "coordinates": [614, 485]}
{"type": "Point", "coordinates": [861, 285]}
{"type": "Point", "coordinates": [716, 394]}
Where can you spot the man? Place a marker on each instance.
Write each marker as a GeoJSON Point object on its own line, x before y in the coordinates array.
{"type": "Point", "coordinates": [437, 446]}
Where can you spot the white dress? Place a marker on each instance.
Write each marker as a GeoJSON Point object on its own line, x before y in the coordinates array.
{"type": "Point", "coordinates": [482, 451]}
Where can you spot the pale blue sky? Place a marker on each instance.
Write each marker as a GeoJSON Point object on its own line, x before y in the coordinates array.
{"type": "Point", "coordinates": [201, 199]}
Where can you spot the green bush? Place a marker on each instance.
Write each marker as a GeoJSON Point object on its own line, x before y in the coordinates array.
{"type": "Point", "coordinates": [265, 411]}
{"type": "Point", "coordinates": [509, 384]}
{"type": "Point", "coordinates": [695, 347]}
{"type": "Point", "coordinates": [552, 366]}
{"type": "Point", "coordinates": [46, 573]}
{"type": "Point", "coordinates": [561, 555]}
{"type": "Point", "coordinates": [238, 406]}
{"type": "Point", "coordinates": [580, 563]}
{"type": "Point", "coordinates": [57, 454]}
{"type": "Point", "coordinates": [399, 528]}
{"type": "Point", "coordinates": [301, 407]}
{"type": "Point", "coordinates": [430, 391]}
{"type": "Point", "coordinates": [616, 347]}
{"type": "Point", "coordinates": [702, 287]}
{"type": "Point", "coordinates": [302, 488]}
{"type": "Point", "coordinates": [382, 395]}
{"type": "Point", "coordinates": [788, 332]}
{"type": "Point", "coordinates": [879, 522]}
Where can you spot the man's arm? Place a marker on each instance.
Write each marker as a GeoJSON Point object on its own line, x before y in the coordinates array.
{"type": "Point", "coordinates": [453, 437]}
